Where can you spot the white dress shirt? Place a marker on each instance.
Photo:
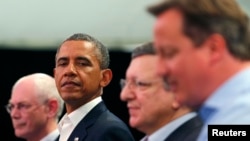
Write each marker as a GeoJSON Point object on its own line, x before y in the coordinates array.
{"type": "Point", "coordinates": [74, 118]}
{"type": "Point", "coordinates": [51, 136]}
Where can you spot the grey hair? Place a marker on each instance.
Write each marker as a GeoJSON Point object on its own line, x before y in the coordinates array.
{"type": "Point", "coordinates": [45, 89]}
{"type": "Point", "coordinates": [145, 48]}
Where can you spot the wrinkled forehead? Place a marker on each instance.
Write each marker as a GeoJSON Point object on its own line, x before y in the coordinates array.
{"type": "Point", "coordinates": [143, 67]}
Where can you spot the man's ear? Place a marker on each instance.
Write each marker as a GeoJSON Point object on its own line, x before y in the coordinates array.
{"type": "Point", "coordinates": [217, 47]}
{"type": "Point", "coordinates": [106, 77]}
{"type": "Point", "coordinates": [53, 106]}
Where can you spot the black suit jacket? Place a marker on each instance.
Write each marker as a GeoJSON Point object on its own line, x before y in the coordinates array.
{"type": "Point", "coordinates": [57, 139]}
{"type": "Point", "coordinates": [101, 125]}
{"type": "Point", "coordinates": [188, 131]}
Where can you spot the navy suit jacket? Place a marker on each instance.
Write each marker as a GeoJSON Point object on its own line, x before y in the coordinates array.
{"type": "Point", "coordinates": [188, 131]}
{"type": "Point", "coordinates": [101, 125]}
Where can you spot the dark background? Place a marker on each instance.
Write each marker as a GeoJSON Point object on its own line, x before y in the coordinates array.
{"type": "Point", "coordinates": [16, 63]}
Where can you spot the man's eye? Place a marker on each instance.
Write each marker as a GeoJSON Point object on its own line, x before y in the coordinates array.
{"type": "Point", "coordinates": [83, 63]}
{"type": "Point", "coordinates": [61, 63]}
{"type": "Point", "coordinates": [23, 106]}
{"type": "Point", "coordinates": [168, 53]}
{"type": "Point", "coordinates": [142, 84]}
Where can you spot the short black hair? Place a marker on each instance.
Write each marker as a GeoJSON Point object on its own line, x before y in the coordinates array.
{"type": "Point", "coordinates": [102, 51]}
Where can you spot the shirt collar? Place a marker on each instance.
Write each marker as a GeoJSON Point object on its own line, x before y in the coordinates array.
{"type": "Point", "coordinates": [225, 94]}
{"type": "Point", "coordinates": [76, 116]}
{"type": "Point", "coordinates": [51, 136]}
{"type": "Point", "coordinates": [167, 129]}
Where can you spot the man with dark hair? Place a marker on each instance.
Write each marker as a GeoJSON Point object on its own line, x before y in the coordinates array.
{"type": "Point", "coordinates": [81, 73]}
{"type": "Point", "coordinates": [204, 55]}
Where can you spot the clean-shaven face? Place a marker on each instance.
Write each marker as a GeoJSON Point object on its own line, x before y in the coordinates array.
{"type": "Point", "coordinates": [149, 104]}
{"type": "Point", "coordinates": [179, 61]}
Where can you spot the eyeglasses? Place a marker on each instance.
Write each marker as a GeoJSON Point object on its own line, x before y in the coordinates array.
{"type": "Point", "coordinates": [135, 84]}
{"type": "Point", "coordinates": [22, 107]}
{"type": "Point", "coordinates": [140, 85]}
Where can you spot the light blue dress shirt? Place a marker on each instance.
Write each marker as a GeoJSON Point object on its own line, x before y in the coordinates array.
{"type": "Point", "coordinates": [230, 104]}
{"type": "Point", "coordinates": [170, 127]}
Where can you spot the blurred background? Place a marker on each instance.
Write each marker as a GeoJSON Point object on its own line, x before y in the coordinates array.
{"type": "Point", "coordinates": [30, 32]}
{"type": "Point", "coordinates": [119, 24]}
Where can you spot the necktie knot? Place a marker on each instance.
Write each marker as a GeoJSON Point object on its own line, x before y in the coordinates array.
{"type": "Point", "coordinates": [206, 112]}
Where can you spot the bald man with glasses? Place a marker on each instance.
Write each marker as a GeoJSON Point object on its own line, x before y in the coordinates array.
{"type": "Point", "coordinates": [35, 107]}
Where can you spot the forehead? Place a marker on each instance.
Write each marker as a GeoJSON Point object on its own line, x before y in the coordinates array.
{"type": "Point", "coordinates": [77, 47]}
{"type": "Point", "coordinates": [142, 66]}
{"type": "Point", "coordinates": [170, 21]}
{"type": "Point", "coordinates": [23, 91]}
{"type": "Point", "coordinates": [168, 31]}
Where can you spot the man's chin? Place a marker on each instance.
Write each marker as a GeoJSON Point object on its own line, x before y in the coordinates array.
{"type": "Point", "coordinates": [133, 122]}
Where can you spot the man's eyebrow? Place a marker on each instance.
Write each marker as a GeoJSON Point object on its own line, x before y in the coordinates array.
{"type": "Point", "coordinates": [78, 58]}
{"type": "Point", "coordinates": [82, 58]}
{"type": "Point", "coordinates": [62, 58]}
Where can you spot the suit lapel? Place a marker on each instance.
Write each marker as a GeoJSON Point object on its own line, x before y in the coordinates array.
{"type": "Point", "coordinates": [57, 139]}
{"type": "Point", "coordinates": [190, 128]}
{"type": "Point", "coordinates": [80, 132]}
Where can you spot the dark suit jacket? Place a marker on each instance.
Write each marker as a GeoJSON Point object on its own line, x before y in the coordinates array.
{"type": "Point", "coordinates": [188, 131]}
{"type": "Point", "coordinates": [101, 125]}
{"type": "Point", "coordinates": [57, 139]}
